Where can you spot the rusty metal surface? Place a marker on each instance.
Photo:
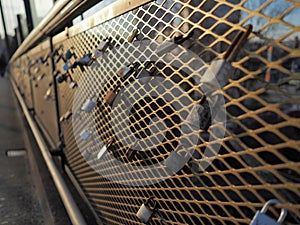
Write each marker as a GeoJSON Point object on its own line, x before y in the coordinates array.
{"type": "Point", "coordinates": [258, 158]}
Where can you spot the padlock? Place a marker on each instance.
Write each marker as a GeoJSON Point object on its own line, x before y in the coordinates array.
{"type": "Point", "coordinates": [221, 69]}
{"type": "Point", "coordinates": [89, 105]}
{"type": "Point", "coordinates": [86, 60]}
{"type": "Point", "coordinates": [85, 134]}
{"type": "Point", "coordinates": [103, 45]}
{"type": "Point", "coordinates": [133, 35]}
{"type": "Point", "coordinates": [168, 46]}
{"type": "Point", "coordinates": [86, 154]}
{"type": "Point", "coordinates": [68, 115]}
{"type": "Point", "coordinates": [66, 67]}
{"type": "Point", "coordinates": [124, 72]}
{"type": "Point", "coordinates": [47, 96]}
{"type": "Point", "coordinates": [68, 55]}
{"type": "Point", "coordinates": [104, 148]}
{"type": "Point", "coordinates": [261, 218]}
{"type": "Point", "coordinates": [146, 212]}
{"type": "Point", "coordinates": [97, 54]}
{"type": "Point", "coordinates": [110, 97]}
{"type": "Point", "coordinates": [62, 78]}
{"type": "Point", "coordinates": [72, 84]}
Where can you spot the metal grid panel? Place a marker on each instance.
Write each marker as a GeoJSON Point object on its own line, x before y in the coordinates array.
{"type": "Point", "coordinates": [21, 76]}
{"type": "Point", "coordinates": [43, 92]}
{"type": "Point", "coordinates": [259, 157]}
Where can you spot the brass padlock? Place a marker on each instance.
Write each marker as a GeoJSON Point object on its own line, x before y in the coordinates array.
{"type": "Point", "coordinates": [133, 35]}
{"type": "Point", "coordinates": [110, 96]}
{"type": "Point", "coordinates": [124, 72]}
{"type": "Point", "coordinates": [261, 218]}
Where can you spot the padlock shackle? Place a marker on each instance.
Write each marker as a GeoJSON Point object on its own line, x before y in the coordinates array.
{"type": "Point", "coordinates": [151, 200]}
{"type": "Point", "coordinates": [271, 202]}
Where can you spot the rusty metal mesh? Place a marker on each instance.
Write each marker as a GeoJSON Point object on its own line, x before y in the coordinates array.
{"type": "Point", "coordinates": [259, 156]}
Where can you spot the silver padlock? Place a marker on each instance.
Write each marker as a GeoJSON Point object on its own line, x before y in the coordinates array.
{"type": "Point", "coordinates": [261, 218]}
{"type": "Point", "coordinates": [47, 96]}
{"type": "Point", "coordinates": [124, 72]}
{"type": "Point", "coordinates": [72, 84]}
{"type": "Point", "coordinates": [86, 154]}
{"type": "Point", "coordinates": [89, 105]}
{"type": "Point", "coordinates": [103, 45]}
{"type": "Point", "coordinates": [104, 148]}
{"type": "Point", "coordinates": [85, 134]}
{"type": "Point", "coordinates": [146, 212]}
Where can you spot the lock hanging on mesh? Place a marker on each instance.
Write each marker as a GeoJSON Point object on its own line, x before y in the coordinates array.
{"type": "Point", "coordinates": [148, 210]}
{"type": "Point", "coordinates": [262, 218]}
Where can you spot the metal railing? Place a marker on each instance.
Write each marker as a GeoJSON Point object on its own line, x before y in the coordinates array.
{"type": "Point", "coordinates": [226, 179]}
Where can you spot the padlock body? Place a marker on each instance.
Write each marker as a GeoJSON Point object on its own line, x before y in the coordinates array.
{"type": "Point", "coordinates": [262, 219]}
{"type": "Point", "coordinates": [110, 97]}
{"type": "Point", "coordinates": [144, 213]}
{"type": "Point", "coordinates": [72, 85]}
{"type": "Point", "coordinates": [88, 106]}
{"type": "Point", "coordinates": [61, 78]}
{"type": "Point", "coordinates": [68, 55]}
{"type": "Point", "coordinates": [103, 45]}
{"type": "Point", "coordinates": [84, 134]}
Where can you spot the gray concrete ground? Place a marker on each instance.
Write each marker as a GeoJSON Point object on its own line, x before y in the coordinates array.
{"type": "Point", "coordinates": [18, 199]}
{"type": "Point", "coordinates": [28, 195]}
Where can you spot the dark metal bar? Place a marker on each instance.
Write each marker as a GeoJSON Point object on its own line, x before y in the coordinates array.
{"type": "Point", "coordinates": [5, 31]}
{"type": "Point", "coordinates": [20, 28]}
{"type": "Point", "coordinates": [28, 15]}
{"type": "Point", "coordinates": [69, 203]}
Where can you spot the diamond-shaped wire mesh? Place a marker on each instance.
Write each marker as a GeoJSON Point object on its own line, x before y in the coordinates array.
{"type": "Point", "coordinates": [259, 155]}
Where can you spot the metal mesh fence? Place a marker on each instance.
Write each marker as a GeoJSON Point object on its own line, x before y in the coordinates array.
{"type": "Point", "coordinates": [258, 158]}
